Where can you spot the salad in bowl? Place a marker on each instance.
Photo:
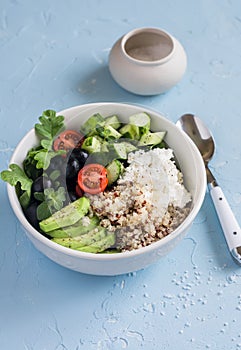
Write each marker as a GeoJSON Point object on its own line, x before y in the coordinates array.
{"type": "Point", "coordinates": [102, 181]}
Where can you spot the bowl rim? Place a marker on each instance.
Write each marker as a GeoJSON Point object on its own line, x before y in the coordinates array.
{"type": "Point", "coordinates": [106, 256]}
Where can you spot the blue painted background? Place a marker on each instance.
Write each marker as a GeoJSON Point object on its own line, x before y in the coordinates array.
{"type": "Point", "coordinates": [54, 54]}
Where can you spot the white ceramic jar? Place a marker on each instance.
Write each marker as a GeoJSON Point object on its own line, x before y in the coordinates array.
{"type": "Point", "coordinates": [147, 61]}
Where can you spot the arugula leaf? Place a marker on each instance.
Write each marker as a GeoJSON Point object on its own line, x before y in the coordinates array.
{"type": "Point", "coordinates": [50, 125]}
{"type": "Point", "coordinates": [43, 158]}
{"type": "Point", "coordinates": [17, 175]}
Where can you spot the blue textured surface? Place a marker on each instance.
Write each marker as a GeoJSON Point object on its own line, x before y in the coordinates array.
{"type": "Point", "coordinates": [54, 54]}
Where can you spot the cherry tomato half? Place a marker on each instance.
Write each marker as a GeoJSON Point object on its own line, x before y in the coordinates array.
{"type": "Point", "coordinates": [67, 140]}
{"type": "Point", "coordinates": [78, 191]}
{"type": "Point", "coordinates": [92, 178]}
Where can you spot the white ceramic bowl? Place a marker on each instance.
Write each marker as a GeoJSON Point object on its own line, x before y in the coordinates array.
{"type": "Point", "coordinates": [191, 165]}
{"type": "Point", "coordinates": [147, 61]}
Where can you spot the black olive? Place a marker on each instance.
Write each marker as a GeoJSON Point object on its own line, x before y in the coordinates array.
{"type": "Point", "coordinates": [41, 183]}
{"type": "Point", "coordinates": [76, 160]}
{"type": "Point", "coordinates": [79, 155]}
{"type": "Point", "coordinates": [31, 214]}
{"type": "Point", "coordinates": [72, 168]}
{"type": "Point", "coordinates": [72, 196]}
{"type": "Point", "coordinates": [71, 183]}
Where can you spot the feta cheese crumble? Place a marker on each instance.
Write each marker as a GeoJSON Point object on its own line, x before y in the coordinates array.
{"type": "Point", "coordinates": [148, 202]}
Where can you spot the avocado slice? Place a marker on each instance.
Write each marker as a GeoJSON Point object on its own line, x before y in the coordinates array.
{"type": "Point", "coordinates": [77, 229]}
{"type": "Point", "coordinates": [95, 241]}
{"type": "Point", "coordinates": [67, 216]}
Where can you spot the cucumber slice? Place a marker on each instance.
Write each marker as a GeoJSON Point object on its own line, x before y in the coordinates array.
{"type": "Point", "coordinates": [117, 151]}
{"type": "Point", "coordinates": [142, 121]}
{"type": "Point", "coordinates": [91, 124]}
{"type": "Point", "coordinates": [104, 146]}
{"type": "Point", "coordinates": [113, 120]}
{"type": "Point", "coordinates": [91, 144]}
{"type": "Point", "coordinates": [114, 171]}
{"type": "Point", "coordinates": [130, 132]}
{"type": "Point", "coordinates": [107, 132]}
{"type": "Point", "coordinates": [152, 138]}
{"type": "Point", "coordinates": [129, 146]}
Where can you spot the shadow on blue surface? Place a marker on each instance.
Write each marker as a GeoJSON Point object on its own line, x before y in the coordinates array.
{"type": "Point", "coordinates": [99, 86]}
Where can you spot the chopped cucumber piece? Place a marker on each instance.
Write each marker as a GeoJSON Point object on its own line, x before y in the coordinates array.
{"type": "Point", "coordinates": [111, 152]}
{"type": "Point", "coordinates": [107, 132]}
{"type": "Point", "coordinates": [117, 151]}
{"type": "Point", "coordinates": [92, 144]}
{"type": "Point", "coordinates": [152, 138]}
{"type": "Point", "coordinates": [130, 132]}
{"type": "Point", "coordinates": [129, 146]}
{"type": "Point", "coordinates": [114, 170]}
{"type": "Point", "coordinates": [104, 146]}
{"type": "Point", "coordinates": [92, 123]}
{"type": "Point", "coordinates": [142, 121]}
{"type": "Point", "coordinates": [113, 120]}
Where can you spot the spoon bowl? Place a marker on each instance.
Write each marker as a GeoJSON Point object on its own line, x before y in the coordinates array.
{"type": "Point", "coordinates": [202, 137]}
{"type": "Point", "coordinates": [198, 132]}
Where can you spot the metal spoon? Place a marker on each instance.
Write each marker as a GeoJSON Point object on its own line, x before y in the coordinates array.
{"type": "Point", "coordinates": [203, 139]}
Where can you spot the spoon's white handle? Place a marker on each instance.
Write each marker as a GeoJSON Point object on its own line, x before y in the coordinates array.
{"type": "Point", "coordinates": [227, 219]}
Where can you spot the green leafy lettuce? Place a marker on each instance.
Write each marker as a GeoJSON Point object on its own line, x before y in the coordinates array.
{"type": "Point", "coordinates": [37, 159]}
{"type": "Point", "coordinates": [15, 176]}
